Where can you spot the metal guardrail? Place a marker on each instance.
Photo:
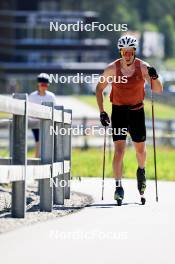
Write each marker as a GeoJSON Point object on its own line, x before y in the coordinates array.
{"type": "Point", "coordinates": [165, 133]}
{"type": "Point", "coordinates": [52, 168]}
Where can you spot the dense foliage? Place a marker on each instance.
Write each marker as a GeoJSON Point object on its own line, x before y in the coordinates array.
{"type": "Point", "coordinates": [140, 15]}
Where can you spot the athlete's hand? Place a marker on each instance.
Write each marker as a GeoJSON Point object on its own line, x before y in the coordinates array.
{"type": "Point", "coordinates": [152, 73]}
{"type": "Point", "coordinates": [104, 118]}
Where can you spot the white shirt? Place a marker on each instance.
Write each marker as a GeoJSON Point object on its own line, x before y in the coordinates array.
{"type": "Point", "coordinates": [36, 98]}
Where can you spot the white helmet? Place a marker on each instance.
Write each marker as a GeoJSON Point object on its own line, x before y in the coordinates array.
{"type": "Point", "coordinates": [127, 42]}
{"type": "Point", "coordinates": [43, 77]}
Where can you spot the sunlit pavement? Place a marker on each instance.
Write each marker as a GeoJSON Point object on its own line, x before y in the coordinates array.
{"type": "Point", "coordinates": [102, 232]}
{"type": "Point", "coordinates": [79, 109]}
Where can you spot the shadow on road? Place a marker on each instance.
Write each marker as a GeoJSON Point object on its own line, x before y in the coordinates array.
{"type": "Point", "coordinates": [111, 205]}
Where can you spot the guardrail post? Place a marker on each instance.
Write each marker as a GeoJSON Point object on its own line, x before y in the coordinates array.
{"type": "Point", "coordinates": [19, 157]}
{"type": "Point", "coordinates": [47, 143]}
{"type": "Point", "coordinates": [10, 138]}
{"type": "Point", "coordinates": [67, 155]}
{"type": "Point", "coordinates": [59, 157]}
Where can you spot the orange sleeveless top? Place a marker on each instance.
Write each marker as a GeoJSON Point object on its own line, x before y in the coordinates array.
{"type": "Point", "coordinates": [130, 93]}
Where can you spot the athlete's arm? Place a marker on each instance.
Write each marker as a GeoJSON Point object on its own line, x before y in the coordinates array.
{"type": "Point", "coordinates": [108, 72]}
{"type": "Point", "coordinates": [157, 86]}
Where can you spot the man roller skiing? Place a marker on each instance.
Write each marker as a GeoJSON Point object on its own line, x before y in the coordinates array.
{"type": "Point", "coordinates": [127, 109]}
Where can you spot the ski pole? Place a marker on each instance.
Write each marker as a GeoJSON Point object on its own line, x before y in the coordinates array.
{"type": "Point", "coordinates": [104, 156]}
{"type": "Point", "coordinates": [154, 141]}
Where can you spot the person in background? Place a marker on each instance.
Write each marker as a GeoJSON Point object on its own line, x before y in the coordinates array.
{"type": "Point", "coordinates": [38, 97]}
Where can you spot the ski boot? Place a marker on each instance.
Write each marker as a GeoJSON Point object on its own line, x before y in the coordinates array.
{"type": "Point", "coordinates": [141, 184]}
{"type": "Point", "coordinates": [119, 195]}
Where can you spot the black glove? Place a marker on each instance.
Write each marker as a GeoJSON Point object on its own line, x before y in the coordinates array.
{"type": "Point", "coordinates": [152, 73]}
{"type": "Point", "coordinates": [104, 118]}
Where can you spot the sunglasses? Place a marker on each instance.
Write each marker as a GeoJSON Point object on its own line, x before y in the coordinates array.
{"type": "Point", "coordinates": [127, 53]}
{"type": "Point", "coordinates": [43, 85]}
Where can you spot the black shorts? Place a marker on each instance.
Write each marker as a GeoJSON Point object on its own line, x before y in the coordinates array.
{"type": "Point", "coordinates": [36, 134]}
{"type": "Point", "coordinates": [125, 120]}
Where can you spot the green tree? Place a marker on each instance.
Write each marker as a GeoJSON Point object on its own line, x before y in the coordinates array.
{"type": "Point", "coordinates": [167, 28]}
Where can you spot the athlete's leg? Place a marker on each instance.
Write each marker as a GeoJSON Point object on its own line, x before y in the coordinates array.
{"type": "Point", "coordinates": [119, 150]}
{"type": "Point", "coordinates": [119, 121]}
{"type": "Point", "coordinates": [140, 148]}
{"type": "Point", "coordinates": [138, 133]}
{"type": "Point", "coordinates": [141, 177]}
{"type": "Point", "coordinates": [117, 169]}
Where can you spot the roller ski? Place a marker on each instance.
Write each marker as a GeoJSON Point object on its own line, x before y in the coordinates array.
{"type": "Point", "coordinates": [141, 184]}
{"type": "Point", "coordinates": [119, 195]}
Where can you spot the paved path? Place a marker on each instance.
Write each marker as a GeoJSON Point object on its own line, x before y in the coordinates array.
{"type": "Point", "coordinates": [79, 109]}
{"type": "Point", "coordinates": [101, 233]}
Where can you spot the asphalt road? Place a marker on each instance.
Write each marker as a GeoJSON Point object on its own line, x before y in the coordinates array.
{"type": "Point", "coordinates": [102, 232]}
{"type": "Point", "coordinates": [79, 109]}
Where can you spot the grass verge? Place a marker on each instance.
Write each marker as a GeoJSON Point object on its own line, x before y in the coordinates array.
{"type": "Point", "coordinates": [89, 163]}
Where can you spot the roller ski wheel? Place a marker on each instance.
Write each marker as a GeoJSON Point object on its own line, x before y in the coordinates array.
{"type": "Point", "coordinates": [143, 200]}
{"type": "Point", "coordinates": [119, 195]}
{"type": "Point", "coordinates": [119, 202]}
